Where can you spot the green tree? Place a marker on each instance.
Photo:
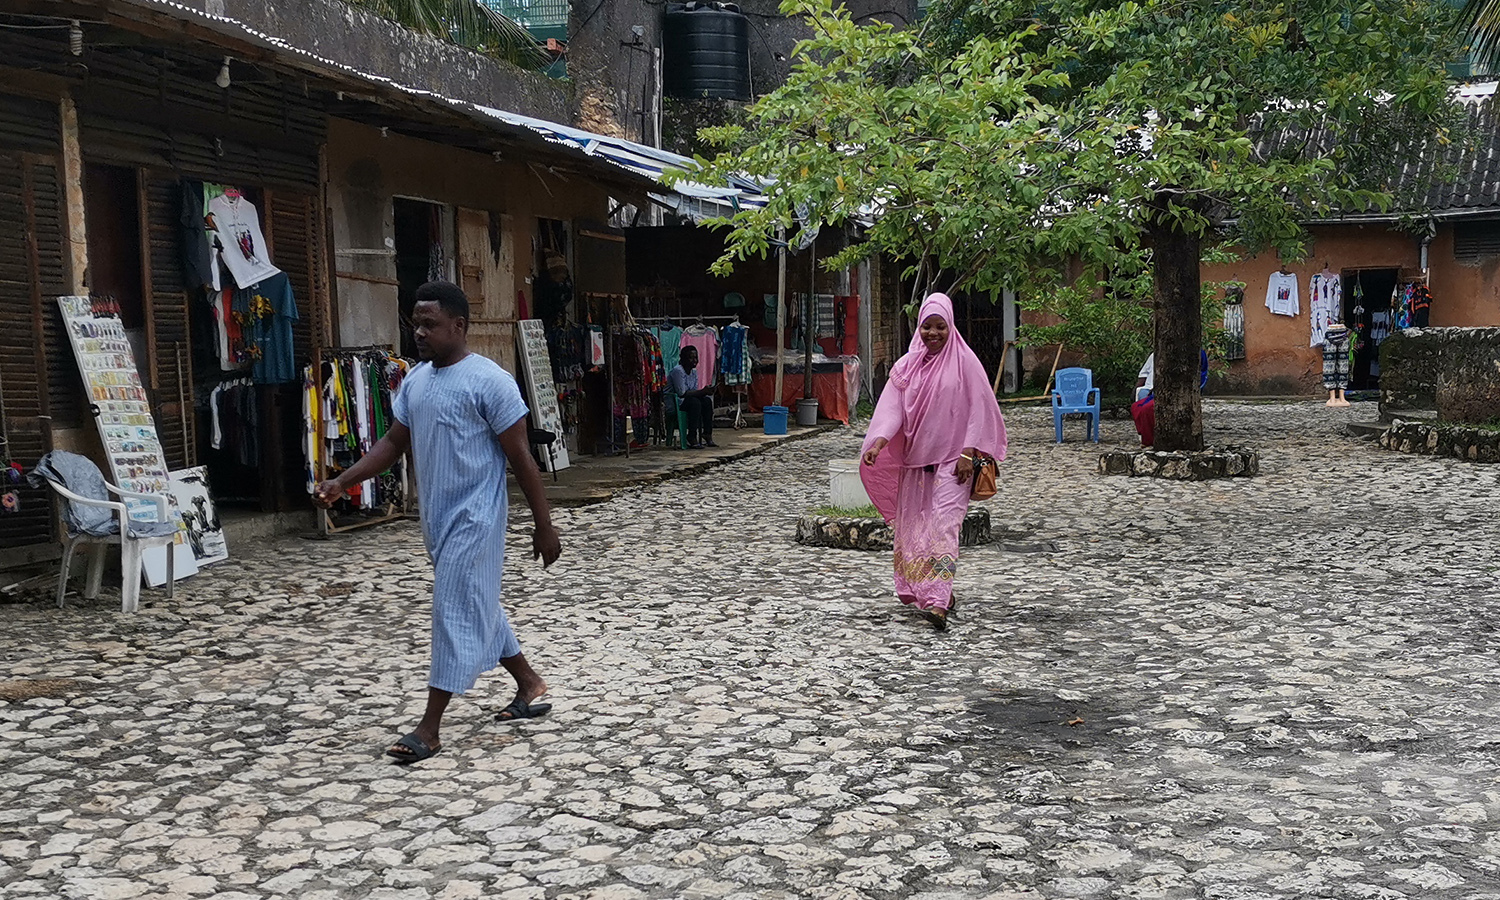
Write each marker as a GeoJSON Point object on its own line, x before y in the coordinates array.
{"type": "Point", "coordinates": [467, 23]}
{"type": "Point", "coordinates": [1007, 142]}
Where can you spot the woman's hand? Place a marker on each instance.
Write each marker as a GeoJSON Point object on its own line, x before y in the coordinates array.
{"type": "Point", "coordinates": [963, 470]}
{"type": "Point", "coordinates": [873, 453]}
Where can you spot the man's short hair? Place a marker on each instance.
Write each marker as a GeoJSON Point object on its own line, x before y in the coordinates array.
{"type": "Point", "coordinates": [448, 296]}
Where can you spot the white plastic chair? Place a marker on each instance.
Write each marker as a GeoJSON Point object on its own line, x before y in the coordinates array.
{"type": "Point", "coordinates": [133, 536]}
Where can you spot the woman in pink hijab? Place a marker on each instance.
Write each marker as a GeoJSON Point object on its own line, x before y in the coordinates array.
{"type": "Point", "coordinates": [937, 409]}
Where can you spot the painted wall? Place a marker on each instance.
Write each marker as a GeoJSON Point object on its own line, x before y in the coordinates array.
{"type": "Point", "coordinates": [1464, 293]}
{"type": "Point", "coordinates": [1278, 359]}
{"type": "Point", "coordinates": [367, 171]}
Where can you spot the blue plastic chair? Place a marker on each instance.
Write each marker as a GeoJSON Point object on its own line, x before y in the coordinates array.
{"type": "Point", "coordinates": [1074, 392]}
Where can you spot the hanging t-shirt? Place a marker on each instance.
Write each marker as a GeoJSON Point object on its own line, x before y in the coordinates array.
{"type": "Point", "coordinates": [267, 311]}
{"type": "Point", "coordinates": [1281, 295]}
{"type": "Point", "coordinates": [670, 337]}
{"type": "Point", "coordinates": [732, 353]}
{"type": "Point", "coordinates": [707, 342]}
{"type": "Point", "coordinates": [242, 247]}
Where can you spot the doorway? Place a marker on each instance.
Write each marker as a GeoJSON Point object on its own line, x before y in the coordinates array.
{"type": "Point", "coordinates": [424, 252]}
{"type": "Point", "coordinates": [1367, 295]}
{"type": "Point", "coordinates": [112, 211]}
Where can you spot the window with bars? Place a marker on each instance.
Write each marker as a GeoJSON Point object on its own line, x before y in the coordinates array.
{"type": "Point", "coordinates": [1234, 322]}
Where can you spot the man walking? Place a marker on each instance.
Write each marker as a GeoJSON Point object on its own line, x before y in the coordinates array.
{"type": "Point", "coordinates": [464, 418]}
{"type": "Point", "coordinates": [697, 402]}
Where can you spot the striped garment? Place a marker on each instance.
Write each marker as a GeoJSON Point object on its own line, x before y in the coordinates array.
{"type": "Point", "coordinates": [455, 413]}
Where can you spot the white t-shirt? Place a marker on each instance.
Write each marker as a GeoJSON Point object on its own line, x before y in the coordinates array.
{"type": "Point", "coordinates": [1148, 372]}
{"type": "Point", "coordinates": [1281, 295]}
{"type": "Point", "coordinates": [243, 247]}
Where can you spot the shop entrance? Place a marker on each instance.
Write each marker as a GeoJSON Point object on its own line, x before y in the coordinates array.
{"type": "Point", "coordinates": [112, 210]}
{"type": "Point", "coordinates": [1367, 300]}
{"type": "Point", "coordinates": [424, 252]}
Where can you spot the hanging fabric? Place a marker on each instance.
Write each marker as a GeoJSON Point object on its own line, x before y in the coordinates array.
{"type": "Point", "coordinates": [346, 409]}
{"type": "Point", "coordinates": [1325, 304]}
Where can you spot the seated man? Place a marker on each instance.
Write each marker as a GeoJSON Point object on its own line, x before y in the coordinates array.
{"type": "Point", "coordinates": [698, 403]}
{"type": "Point", "coordinates": [1143, 411]}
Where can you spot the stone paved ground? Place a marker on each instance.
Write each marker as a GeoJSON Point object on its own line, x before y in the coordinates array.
{"type": "Point", "coordinates": [1280, 687]}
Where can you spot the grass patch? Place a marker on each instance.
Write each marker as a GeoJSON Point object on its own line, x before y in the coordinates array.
{"type": "Point", "coordinates": [840, 512]}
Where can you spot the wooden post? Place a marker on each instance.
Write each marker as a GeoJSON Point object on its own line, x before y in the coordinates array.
{"type": "Point", "coordinates": [780, 315]}
{"type": "Point", "coordinates": [809, 333]}
{"type": "Point", "coordinates": [78, 245]}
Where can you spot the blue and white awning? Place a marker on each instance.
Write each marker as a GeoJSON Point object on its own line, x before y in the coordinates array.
{"type": "Point", "coordinates": [689, 198]}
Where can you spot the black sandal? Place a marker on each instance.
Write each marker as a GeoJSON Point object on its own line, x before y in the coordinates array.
{"type": "Point", "coordinates": [937, 617]}
{"type": "Point", "coordinates": [523, 709]}
{"type": "Point", "coordinates": [413, 749]}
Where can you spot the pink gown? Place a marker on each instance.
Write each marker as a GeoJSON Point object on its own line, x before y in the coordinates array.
{"type": "Point", "coordinates": [933, 407]}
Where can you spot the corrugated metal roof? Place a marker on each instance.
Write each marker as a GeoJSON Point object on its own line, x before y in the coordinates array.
{"type": "Point", "coordinates": [1453, 180]}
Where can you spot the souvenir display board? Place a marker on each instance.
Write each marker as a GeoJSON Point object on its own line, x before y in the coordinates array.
{"type": "Point", "coordinates": [536, 364]}
{"type": "Point", "coordinates": [118, 401]}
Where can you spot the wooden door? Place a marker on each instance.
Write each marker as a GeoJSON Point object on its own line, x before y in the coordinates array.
{"type": "Point", "coordinates": [485, 264]}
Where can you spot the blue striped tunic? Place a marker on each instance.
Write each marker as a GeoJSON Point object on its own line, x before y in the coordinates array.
{"type": "Point", "coordinates": [455, 414]}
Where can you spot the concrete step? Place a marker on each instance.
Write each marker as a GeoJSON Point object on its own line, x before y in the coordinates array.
{"type": "Point", "coordinates": [1367, 430]}
{"type": "Point", "coordinates": [1412, 415]}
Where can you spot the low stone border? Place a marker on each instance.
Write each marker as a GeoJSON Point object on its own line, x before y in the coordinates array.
{"type": "Point", "coordinates": [1226, 462]}
{"type": "Point", "coordinates": [1464, 442]}
{"type": "Point", "coordinates": [849, 533]}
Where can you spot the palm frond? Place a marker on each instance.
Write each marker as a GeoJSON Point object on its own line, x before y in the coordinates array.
{"type": "Point", "coordinates": [1480, 20]}
{"type": "Point", "coordinates": [467, 23]}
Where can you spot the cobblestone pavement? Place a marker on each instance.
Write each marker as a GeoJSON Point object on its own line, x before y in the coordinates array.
{"type": "Point", "coordinates": [1278, 687]}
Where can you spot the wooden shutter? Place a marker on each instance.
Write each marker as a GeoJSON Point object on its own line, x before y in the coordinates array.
{"type": "Point", "coordinates": [295, 234]}
{"type": "Point", "coordinates": [167, 332]}
{"type": "Point", "coordinates": [30, 232]}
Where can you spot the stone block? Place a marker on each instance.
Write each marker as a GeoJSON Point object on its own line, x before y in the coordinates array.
{"type": "Point", "coordinates": [855, 533]}
{"type": "Point", "coordinates": [1226, 462]}
{"type": "Point", "coordinates": [1467, 442]}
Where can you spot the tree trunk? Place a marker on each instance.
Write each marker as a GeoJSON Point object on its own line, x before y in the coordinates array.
{"type": "Point", "coordinates": [1175, 258]}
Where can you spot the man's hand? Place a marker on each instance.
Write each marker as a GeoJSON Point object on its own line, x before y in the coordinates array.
{"type": "Point", "coordinates": [327, 493]}
{"type": "Point", "coordinates": [546, 545]}
{"type": "Point", "coordinates": [873, 453]}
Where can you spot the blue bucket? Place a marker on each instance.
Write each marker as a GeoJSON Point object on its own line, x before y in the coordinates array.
{"type": "Point", "coordinates": [775, 419]}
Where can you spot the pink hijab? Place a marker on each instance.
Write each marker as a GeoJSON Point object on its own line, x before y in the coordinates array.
{"type": "Point", "coordinates": [934, 406]}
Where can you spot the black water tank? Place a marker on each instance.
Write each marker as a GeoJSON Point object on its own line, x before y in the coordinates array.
{"type": "Point", "coordinates": [707, 51]}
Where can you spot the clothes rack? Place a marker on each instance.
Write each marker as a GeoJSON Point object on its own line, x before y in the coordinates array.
{"type": "Point", "coordinates": [358, 421]}
{"type": "Point", "coordinates": [619, 320]}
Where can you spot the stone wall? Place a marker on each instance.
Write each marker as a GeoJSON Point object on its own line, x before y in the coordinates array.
{"type": "Point", "coordinates": [373, 45]}
{"type": "Point", "coordinates": [1455, 371]}
{"type": "Point", "coordinates": [1458, 441]}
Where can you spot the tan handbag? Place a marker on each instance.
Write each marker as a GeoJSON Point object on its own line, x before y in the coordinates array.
{"type": "Point", "coordinates": [985, 468]}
